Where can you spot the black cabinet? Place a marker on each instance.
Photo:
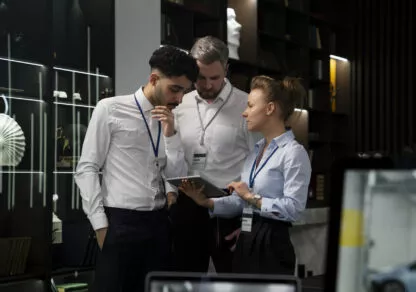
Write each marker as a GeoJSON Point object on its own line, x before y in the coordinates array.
{"type": "Point", "coordinates": [56, 63]}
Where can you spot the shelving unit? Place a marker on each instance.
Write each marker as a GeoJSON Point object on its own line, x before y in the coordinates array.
{"type": "Point", "coordinates": [54, 69]}
{"type": "Point", "coordinates": [296, 38]}
{"type": "Point", "coordinates": [185, 20]}
{"type": "Point", "coordinates": [75, 249]}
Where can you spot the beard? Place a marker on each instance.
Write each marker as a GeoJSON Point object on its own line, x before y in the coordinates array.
{"type": "Point", "coordinates": [159, 99]}
{"type": "Point", "coordinates": [208, 94]}
{"type": "Point", "coordinates": [158, 96]}
{"type": "Point", "coordinates": [172, 105]}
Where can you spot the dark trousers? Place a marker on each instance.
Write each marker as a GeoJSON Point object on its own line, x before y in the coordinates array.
{"type": "Point", "coordinates": [196, 237]}
{"type": "Point", "coordinates": [267, 249]}
{"type": "Point", "coordinates": [136, 243]}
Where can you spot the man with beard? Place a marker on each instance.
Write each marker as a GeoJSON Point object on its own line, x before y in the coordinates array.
{"type": "Point", "coordinates": [216, 142]}
{"type": "Point", "coordinates": [127, 210]}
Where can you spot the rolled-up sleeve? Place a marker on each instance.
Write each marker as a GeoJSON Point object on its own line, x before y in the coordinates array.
{"type": "Point", "coordinates": [94, 153]}
{"type": "Point", "coordinates": [296, 175]}
{"type": "Point", "coordinates": [175, 158]}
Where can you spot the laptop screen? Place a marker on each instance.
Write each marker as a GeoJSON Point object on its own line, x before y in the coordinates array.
{"type": "Point", "coordinates": [165, 282]}
{"type": "Point", "coordinates": [377, 239]}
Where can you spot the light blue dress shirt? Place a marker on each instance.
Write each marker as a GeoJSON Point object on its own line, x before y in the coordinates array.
{"type": "Point", "coordinates": [282, 182]}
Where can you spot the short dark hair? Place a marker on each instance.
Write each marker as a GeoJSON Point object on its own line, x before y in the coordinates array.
{"type": "Point", "coordinates": [173, 62]}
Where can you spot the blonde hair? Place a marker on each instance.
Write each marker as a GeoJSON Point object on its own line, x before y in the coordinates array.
{"type": "Point", "coordinates": [287, 92]}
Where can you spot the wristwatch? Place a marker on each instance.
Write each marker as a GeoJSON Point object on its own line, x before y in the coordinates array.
{"type": "Point", "coordinates": [256, 197]}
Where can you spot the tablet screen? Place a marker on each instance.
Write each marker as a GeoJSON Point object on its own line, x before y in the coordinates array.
{"type": "Point", "coordinates": [377, 240]}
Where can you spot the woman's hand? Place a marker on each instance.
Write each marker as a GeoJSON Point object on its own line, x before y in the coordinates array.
{"type": "Point", "coordinates": [241, 189]}
{"type": "Point", "coordinates": [196, 194]}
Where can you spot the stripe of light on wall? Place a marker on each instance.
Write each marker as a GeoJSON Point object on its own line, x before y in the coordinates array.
{"type": "Point", "coordinates": [73, 105]}
{"type": "Point", "coordinates": [22, 98]}
{"type": "Point", "coordinates": [80, 72]}
{"type": "Point", "coordinates": [338, 58]}
{"type": "Point", "coordinates": [21, 62]}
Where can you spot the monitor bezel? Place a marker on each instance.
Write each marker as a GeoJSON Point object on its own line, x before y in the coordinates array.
{"type": "Point", "coordinates": [218, 278]}
{"type": "Point", "coordinates": [338, 171]}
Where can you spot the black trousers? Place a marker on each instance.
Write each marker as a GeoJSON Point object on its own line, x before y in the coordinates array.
{"type": "Point", "coordinates": [196, 237]}
{"type": "Point", "coordinates": [136, 243]}
{"type": "Point", "coordinates": [267, 249]}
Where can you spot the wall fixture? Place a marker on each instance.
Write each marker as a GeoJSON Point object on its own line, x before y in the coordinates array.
{"type": "Point", "coordinates": [338, 58]}
{"type": "Point", "coordinates": [21, 62]}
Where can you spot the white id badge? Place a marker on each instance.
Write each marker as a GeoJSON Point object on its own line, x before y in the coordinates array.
{"type": "Point", "coordinates": [247, 219]}
{"type": "Point", "coordinates": [199, 160]}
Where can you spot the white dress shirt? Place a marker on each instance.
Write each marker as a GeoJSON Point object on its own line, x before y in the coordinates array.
{"type": "Point", "coordinates": [226, 140]}
{"type": "Point", "coordinates": [117, 141]}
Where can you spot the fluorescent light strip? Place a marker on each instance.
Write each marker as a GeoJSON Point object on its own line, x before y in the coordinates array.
{"type": "Point", "coordinates": [78, 137]}
{"type": "Point", "coordinates": [74, 105]}
{"type": "Point", "coordinates": [74, 147]}
{"type": "Point", "coordinates": [32, 139]}
{"type": "Point", "coordinates": [80, 72]}
{"type": "Point", "coordinates": [338, 58]}
{"type": "Point", "coordinates": [13, 174]}
{"type": "Point", "coordinates": [23, 98]}
{"type": "Point", "coordinates": [6, 104]}
{"type": "Point", "coordinates": [21, 62]}
{"type": "Point", "coordinates": [55, 178]}
{"type": "Point", "coordinates": [300, 110]}
{"type": "Point", "coordinates": [22, 172]}
{"type": "Point", "coordinates": [45, 139]}
{"type": "Point", "coordinates": [70, 172]}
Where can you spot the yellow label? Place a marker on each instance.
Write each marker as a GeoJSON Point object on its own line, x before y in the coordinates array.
{"type": "Point", "coordinates": [352, 228]}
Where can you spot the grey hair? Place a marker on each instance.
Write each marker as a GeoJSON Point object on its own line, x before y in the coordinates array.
{"type": "Point", "coordinates": [210, 49]}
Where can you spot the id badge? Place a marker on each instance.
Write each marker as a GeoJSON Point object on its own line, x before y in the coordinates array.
{"type": "Point", "coordinates": [199, 160]}
{"type": "Point", "coordinates": [247, 219]}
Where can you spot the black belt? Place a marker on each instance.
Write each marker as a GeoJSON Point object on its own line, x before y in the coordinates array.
{"type": "Point", "coordinates": [258, 218]}
{"type": "Point", "coordinates": [120, 214]}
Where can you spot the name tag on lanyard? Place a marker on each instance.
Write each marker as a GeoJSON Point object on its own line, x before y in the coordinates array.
{"type": "Point", "coordinates": [199, 159]}
{"type": "Point", "coordinates": [247, 219]}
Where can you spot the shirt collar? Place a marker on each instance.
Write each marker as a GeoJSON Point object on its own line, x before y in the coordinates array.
{"type": "Point", "coordinates": [279, 141]}
{"type": "Point", "coordinates": [222, 96]}
{"type": "Point", "coordinates": [143, 101]}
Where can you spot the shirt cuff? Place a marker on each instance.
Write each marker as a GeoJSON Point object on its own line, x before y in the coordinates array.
{"type": "Point", "coordinates": [172, 142]}
{"type": "Point", "coordinates": [98, 220]}
{"type": "Point", "coordinates": [170, 188]}
{"type": "Point", "coordinates": [267, 208]}
{"type": "Point", "coordinates": [219, 207]}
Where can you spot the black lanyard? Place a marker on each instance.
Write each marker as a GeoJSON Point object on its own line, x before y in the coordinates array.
{"type": "Point", "coordinates": [155, 147]}
{"type": "Point", "coordinates": [252, 178]}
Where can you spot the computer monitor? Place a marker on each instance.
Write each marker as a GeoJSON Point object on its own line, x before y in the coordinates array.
{"type": "Point", "coordinates": [191, 282]}
{"type": "Point", "coordinates": [374, 246]}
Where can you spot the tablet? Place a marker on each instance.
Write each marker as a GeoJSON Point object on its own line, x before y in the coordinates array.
{"type": "Point", "coordinates": [210, 190]}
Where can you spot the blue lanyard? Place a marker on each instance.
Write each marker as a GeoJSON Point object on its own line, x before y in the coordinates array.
{"type": "Point", "coordinates": [252, 178]}
{"type": "Point", "coordinates": [155, 148]}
